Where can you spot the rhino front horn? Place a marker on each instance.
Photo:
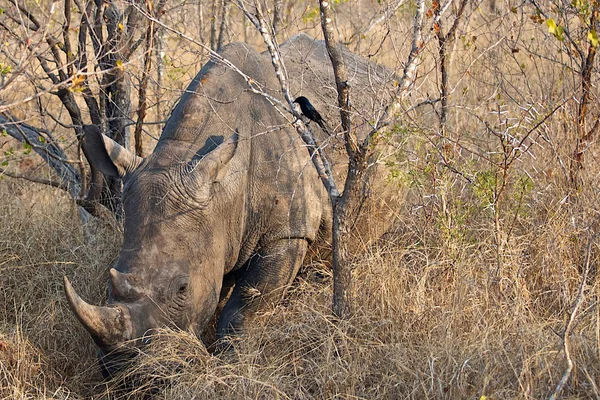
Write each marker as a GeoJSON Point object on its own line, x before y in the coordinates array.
{"type": "Point", "coordinates": [107, 325]}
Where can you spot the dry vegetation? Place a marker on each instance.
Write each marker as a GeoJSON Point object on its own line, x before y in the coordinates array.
{"type": "Point", "coordinates": [468, 296]}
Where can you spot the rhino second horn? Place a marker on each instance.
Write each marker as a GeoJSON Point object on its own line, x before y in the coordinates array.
{"type": "Point", "coordinates": [107, 325]}
{"type": "Point", "coordinates": [121, 285]}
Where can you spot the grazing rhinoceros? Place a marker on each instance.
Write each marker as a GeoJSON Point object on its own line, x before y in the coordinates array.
{"type": "Point", "coordinates": [229, 190]}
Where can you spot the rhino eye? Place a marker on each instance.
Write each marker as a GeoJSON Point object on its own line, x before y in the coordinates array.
{"type": "Point", "coordinates": [182, 288]}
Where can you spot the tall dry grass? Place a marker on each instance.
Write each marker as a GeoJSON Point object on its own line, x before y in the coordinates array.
{"type": "Point", "coordinates": [435, 318]}
{"type": "Point", "coordinates": [43, 354]}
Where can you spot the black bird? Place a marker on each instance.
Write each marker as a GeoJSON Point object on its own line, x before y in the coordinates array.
{"type": "Point", "coordinates": [311, 113]}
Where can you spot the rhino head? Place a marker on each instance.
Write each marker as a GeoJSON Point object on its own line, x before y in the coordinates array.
{"type": "Point", "coordinates": [171, 265]}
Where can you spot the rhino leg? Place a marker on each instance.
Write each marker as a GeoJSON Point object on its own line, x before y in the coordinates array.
{"type": "Point", "coordinates": [265, 276]}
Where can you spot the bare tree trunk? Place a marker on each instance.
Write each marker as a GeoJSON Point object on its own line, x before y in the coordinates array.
{"type": "Point", "coordinates": [343, 207]}
{"type": "Point", "coordinates": [224, 23]}
{"type": "Point", "coordinates": [584, 138]}
{"type": "Point", "coordinates": [347, 206]}
{"type": "Point", "coordinates": [277, 19]}
{"type": "Point", "coordinates": [213, 26]}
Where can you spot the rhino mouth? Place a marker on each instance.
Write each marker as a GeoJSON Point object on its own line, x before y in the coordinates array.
{"type": "Point", "coordinates": [114, 362]}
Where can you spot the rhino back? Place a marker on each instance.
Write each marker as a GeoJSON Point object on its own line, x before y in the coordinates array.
{"type": "Point", "coordinates": [283, 194]}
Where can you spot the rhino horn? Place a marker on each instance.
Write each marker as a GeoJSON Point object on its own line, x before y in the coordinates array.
{"type": "Point", "coordinates": [107, 325]}
{"type": "Point", "coordinates": [122, 285]}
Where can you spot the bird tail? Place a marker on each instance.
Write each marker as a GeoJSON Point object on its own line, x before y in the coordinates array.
{"type": "Point", "coordinates": [324, 126]}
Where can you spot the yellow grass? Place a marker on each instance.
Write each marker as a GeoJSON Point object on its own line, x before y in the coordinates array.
{"type": "Point", "coordinates": [463, 299]}
{"type": "Point", "coordinates": [433, 319]}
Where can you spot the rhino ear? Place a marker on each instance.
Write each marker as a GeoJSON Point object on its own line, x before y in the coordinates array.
{"type": "Point", "coordinates": [108, 156]}
{"type": "Point", "coordinates": [197, 177]}
{"type": "Point", "coordinates": [214, 164]}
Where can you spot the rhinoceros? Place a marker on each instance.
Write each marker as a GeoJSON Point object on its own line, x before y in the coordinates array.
{"type": "Point", "coordinates": [229, 194]}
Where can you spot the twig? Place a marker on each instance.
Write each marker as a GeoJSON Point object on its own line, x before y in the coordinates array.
{"type": "Point", "coordinates": [317, 156]}
{"type": "Point", "coordinates": [59, 185]}
{"type": "Point", "coordinates": [385, 15]}
{"type": "Point", "coordinates": [567, 332]}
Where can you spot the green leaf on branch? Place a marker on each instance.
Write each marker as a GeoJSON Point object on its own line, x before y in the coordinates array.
{"type": "Point", "coordinates": [593, 38]}
{"type": "Point", "coordinates": [5, 69]}
{"type": "Point", "coordinates": [27, 147]}
{"type": "Point", "coordinates": [557, 30]}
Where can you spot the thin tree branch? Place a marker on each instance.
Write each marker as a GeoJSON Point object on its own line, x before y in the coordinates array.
{"type": "Point", "coordinates": [389, 11]}
{"type": "Point", "coordinates": [59, 185]}
{"type": "Point", "coordinates": [317, 156]}
{"type": "Point", "coordinates": [569, 326]}
{"type": "Point", "coordinates": [341, 79]}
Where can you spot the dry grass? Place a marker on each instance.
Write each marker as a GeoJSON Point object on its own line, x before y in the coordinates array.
{"type": "Point", "coordinates": [43, 353]}
{"type": "Point", "coordinates": [434, 318]}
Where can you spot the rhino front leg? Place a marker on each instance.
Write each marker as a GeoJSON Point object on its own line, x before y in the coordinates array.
{"type": "Point", "coordinates": [266, 276]}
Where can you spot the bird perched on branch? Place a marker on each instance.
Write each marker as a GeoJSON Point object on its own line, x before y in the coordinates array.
{"type": "Point", "coordinates": [311, 113]}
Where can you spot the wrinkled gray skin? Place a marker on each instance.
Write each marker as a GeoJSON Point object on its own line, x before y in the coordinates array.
{"type": "Point", "coordinates": [229, 189]}
{"type": "Point", "coordinates": [229, 197]}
